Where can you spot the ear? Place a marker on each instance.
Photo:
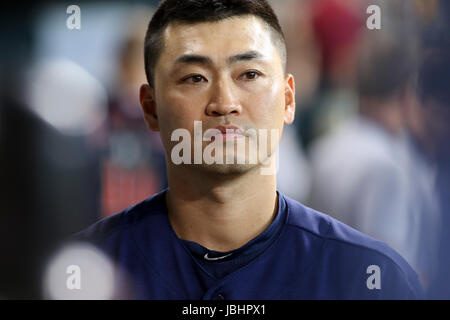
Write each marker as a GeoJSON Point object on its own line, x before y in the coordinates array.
{"type": "Point", "coordinates": [148, 104]}
{"type": "Point", "coordinates": [289, 109]}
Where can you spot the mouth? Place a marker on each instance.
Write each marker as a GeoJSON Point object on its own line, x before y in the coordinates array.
{"type": "Point", "coordinates": [228, 132]}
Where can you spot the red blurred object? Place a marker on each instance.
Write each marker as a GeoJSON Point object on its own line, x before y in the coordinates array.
{"type": "Point", "coordinates": [337, 26]}
{"type": "Point", "coordinates": [123, 188]}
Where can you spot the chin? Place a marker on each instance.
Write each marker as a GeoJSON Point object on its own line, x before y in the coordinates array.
{"type": "Point", "coordinates": [228, 169]}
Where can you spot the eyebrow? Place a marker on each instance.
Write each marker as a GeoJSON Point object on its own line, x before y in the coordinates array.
{"type": "Point", "coordinates": [250, 55]}
{"type": "Point", "coordinates": [198, 59]}
{"type": "Point", "coordinates": [193, 59]}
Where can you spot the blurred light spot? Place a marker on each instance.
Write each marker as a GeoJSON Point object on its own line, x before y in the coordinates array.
{"type": "Point", "coordinates": [67, 97]}
{"type": "Point", "coordinates": [95, 272]}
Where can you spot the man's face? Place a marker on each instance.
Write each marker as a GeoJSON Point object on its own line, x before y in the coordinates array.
{"type": "Point", "coordinates": [226, 73]}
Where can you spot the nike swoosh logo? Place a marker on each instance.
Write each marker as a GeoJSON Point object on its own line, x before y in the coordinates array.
{"type": "Point", "coordinates": [218, 258]}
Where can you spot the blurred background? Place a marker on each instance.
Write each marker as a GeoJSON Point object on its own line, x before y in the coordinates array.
{"type": "Point", "coordinates": [369, 145]}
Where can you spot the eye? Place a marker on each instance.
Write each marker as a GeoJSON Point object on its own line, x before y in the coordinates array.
{"type": "Point", "coordinates": [193, 78]}
{"type": "Point", "coordinates": [250, 75]}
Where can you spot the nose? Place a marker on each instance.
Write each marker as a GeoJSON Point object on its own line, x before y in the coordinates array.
{"type": "Point", "coordinates": [223, 101]}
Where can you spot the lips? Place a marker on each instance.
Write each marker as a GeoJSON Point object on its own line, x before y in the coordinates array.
{"type": "Point", "coordinates": [228, 132]}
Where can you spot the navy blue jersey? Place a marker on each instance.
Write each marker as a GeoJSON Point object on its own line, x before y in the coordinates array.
{"type": "Point", "coordinates": [311, 256]}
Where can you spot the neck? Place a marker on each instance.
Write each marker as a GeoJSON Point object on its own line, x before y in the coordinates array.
{"type": "Point", "coordinates": [222, 212]}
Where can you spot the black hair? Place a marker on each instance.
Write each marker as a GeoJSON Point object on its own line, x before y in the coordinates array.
{"type": "Point", "coordinates": [197, 11]}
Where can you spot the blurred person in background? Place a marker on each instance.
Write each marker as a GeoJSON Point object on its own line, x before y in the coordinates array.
{"type": "Point", "coordinates": [49, 154]}
{"type": "Point", "coordinates": [49, 166]}
{"type": "Point", "coordinates": [367, 172]}
{"type": "Point", "coordinates": [295, 19]}
{"type": "Point", "coordinates": [53, 135]}
{"type": "Point", "coordinates": [433, 134]}
{"type": "Point", "coordinates": [336, 27]}
{"type": "Point", "coordinates": [135, 162]}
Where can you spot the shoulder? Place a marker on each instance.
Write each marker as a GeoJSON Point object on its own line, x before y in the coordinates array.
{"type": "Point", "coordinates": [325, 227]}
{"type": "Point", "coordinates": [348, 250]}
{"type": "Point", "coordinates": [110, 227]}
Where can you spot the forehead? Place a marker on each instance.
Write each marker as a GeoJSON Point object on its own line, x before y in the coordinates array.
{"type": "Point", "coordinates": [220, 39]}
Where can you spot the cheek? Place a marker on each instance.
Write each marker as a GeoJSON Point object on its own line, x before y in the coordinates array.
{"type": "Point", "coordinates": [176, 111]}
{"type": "Point", "coordinates": [267, 106]}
